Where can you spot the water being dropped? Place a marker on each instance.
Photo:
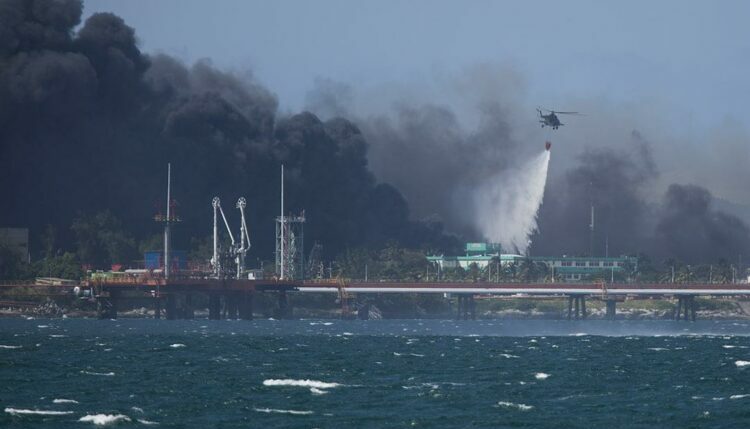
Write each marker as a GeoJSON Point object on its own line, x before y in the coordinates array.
{"type": "Point", "coordinates": [508, 203]}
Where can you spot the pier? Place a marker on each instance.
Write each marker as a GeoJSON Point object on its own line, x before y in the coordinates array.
{"type": "Point", "coordinates": [176, 297]}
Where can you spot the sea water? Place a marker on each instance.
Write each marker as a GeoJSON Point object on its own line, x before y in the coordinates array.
{"type": "Point", "coordinates": [371, 374]}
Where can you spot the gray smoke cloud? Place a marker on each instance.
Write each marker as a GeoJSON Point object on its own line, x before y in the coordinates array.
{"type": "Point", "coordinates": [620, 159]}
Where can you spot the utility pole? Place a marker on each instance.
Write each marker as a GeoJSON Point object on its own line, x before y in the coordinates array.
{"type": "Point", "coordinates": [606, 246]}
{"type": "Point", "coordinates": [591, 227]}
{"type": "Point", "coordinates": [739, 265]}
{"type": "Point", "coordinates": [281, 274]}
{"type": "Point", "coordinates": [167, 238]}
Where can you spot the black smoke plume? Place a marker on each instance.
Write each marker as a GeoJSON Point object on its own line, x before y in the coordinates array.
{"type": "Point", "coordinates": [88, 123]}
{"type": "Point", "coordinates": [690, 227]}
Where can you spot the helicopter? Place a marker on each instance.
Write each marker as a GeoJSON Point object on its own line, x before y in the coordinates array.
{"type": "Point", "coordinates": [551, 119]}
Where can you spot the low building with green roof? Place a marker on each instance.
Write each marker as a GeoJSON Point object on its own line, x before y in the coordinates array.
{"type": "Point", "coordinates": [569, 268]}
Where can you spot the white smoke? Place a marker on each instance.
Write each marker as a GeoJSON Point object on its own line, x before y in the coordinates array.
{"type": "Point", "coordinates": [508, 203]}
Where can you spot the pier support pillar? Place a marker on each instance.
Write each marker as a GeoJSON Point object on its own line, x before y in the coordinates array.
{"type": "Point", "coordinates": [686, 308]}
{"type": "Point", "coordinates": [106, 306]}
{"type": "Point", "coordinates": [214, 307]}
{"type": "Point", "coordinates": [583, 307]}
{"type": "Point", "coordinates": [157, 307]}
{"type": "Point", "coordinates": [570, 307]}
{"type": "Point", "coordinates": [611, 309]}
{"type": "Point", "coordinates": [467, 307]}
{"type": "Point", "coordinates": [363, 313]}
{"type": "Point", "coordinates": [693, 308]}
{"type": "Point", "coordinates": [171, 306]}
{"type": "Point", "coordinates": [231, 302]}
{"type": "Point", "coordinates": [577, 307]}
{"type": "Point", "coordinates": [283, 310]}
{"type": "Point", "coordinates": [245, 300]}
{"type": "Point", "coordinates": [187, 309]}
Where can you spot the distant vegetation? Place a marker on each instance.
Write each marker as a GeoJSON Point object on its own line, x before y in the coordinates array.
{"type": "Point", "coordinates": [101, 240]}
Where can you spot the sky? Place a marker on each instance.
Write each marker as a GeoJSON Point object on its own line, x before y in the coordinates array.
{"type": "Point", "coordinates": [692, 56]}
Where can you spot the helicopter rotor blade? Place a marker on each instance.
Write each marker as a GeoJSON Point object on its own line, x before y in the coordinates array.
{"type": "Point", "coordinates": [569, 113]}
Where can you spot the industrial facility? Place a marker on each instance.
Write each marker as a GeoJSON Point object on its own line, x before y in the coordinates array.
{"type": "Point", "coordinates": [565, 268]}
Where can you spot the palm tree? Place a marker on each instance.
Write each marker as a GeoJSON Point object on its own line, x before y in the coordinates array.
{"type": "Point", "coordinates": [685, 274]}
{"type": "Point", "coordinates": [672, 266]}
{"type": "Point", "coordinates": [530, 271]}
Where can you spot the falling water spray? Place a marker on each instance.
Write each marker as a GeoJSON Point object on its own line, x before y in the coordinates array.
{"type": "Point", "coordinates": [508, 204]}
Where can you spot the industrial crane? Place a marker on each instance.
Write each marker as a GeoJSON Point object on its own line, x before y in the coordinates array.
{"type": "Point", "coordinates": [244, 239]}
{"type": "Point", "coordinates": [239, 252]}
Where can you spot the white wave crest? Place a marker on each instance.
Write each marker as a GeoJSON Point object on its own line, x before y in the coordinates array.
{"type": "Point", "coordinates": [103, 374]}
{"type": "Point", "coordinates": [522, 407]}
{"type": "Point", "coordinates": [541, 376]}
{"type": "Point", "coordinates": [300, 383]}
{"type": "Point", "coordinates": [147, 422]}
{"type": "Point", "coordinates": [277, 411]}
{"type": "Point", "coordinates": [104, 419]}
{"type": "Point", "coordinates": [22, 412]}
{"type": "Point", "coordinates": [739, 396]}
{"type": "Point", "coordinates": [741, 363]}
{"type": "Point", "coordinates": [508, 356]}
{"type": "Point", "coordinates": [64, 401]}
{"type": "Point", "coordinates": [177, 346]}
{"type": "Point", "coordinates": [316, 391]}
{"type": "Point", "coordinates": [2, 346]}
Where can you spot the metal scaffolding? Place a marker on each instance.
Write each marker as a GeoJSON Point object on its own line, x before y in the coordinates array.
{"type": "Point", "coordinates": [290, 257]}
{"type": "Point", "coordinates": [290, 233]}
